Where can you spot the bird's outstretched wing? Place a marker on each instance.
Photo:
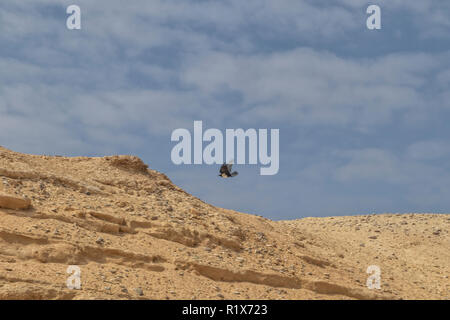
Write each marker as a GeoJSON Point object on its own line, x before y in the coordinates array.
{"type": "Point", "coordinates": [229, 165]}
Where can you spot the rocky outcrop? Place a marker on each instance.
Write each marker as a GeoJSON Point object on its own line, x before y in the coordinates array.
{"type": "Point", "coordinates": [14, 202]}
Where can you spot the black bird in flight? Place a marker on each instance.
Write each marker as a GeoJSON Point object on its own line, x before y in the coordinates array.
{"type": "Point", "coordinates": [225, 170]}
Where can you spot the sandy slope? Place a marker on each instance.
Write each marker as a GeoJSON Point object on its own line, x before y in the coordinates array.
{"type": "Point", "coordinates": [135, 235]}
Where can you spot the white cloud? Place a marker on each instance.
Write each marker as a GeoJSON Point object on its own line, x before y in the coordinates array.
{"type": "Point", "coordinates": [408, 170]}
{"type": "Point", "coordinates": [314, 87]}
{"type": "Point", "coordinates": [429, 150]}
{"type": "Point", "coordinates": [373, 165]}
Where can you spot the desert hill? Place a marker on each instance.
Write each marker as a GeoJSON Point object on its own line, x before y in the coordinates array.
{"type": "Point", "coordinates": [135, 235]}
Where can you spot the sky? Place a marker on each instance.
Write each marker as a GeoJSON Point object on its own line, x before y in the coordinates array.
{"type": "Point", "coordinates": [362, 114]}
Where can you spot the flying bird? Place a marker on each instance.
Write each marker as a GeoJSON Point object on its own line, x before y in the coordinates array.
{"type": "Point", "coordinates": [225, 170]}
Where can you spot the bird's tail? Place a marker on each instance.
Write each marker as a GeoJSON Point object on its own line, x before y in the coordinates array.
{"type": "Point", "coordinates": [234, 174]}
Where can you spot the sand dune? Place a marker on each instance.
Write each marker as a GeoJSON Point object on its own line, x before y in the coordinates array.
{"type": "Point", "coordinates": [135, 235]}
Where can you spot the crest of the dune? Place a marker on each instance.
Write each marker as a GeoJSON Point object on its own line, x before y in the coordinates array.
{"type": "Point", "coordinates": [132, 234]}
